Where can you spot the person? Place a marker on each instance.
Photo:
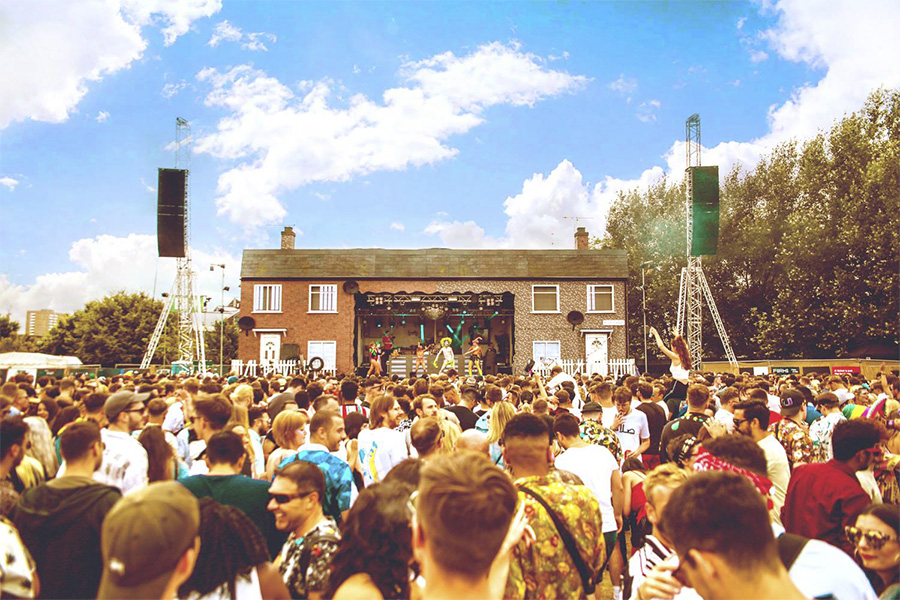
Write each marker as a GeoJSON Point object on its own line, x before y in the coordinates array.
{"type": "Point", "coordinates": [326, 432]}
{"type": "Point", "coordinates": [12, 451]}
{"type": "Point", "coordinates": [381, 446]}
{"type": "Point", "coordinates": [419, 367]}
{"type": "Point", "coordinates": [289, 432]}
{"type": "Point", "coordinates": [125, 463]}
{"type": "Point", "coordinates": [462, 516]}
{"type": "Point", "coordinates": [475, 356]}
{"type": "Point", "coordinates": [791, 429]}
{"type": "Point", "coordinates": [501, 413]}
{"type": "Point", "coordinates": [374, 557]}
{"type": "Point", "coordinates": [874, 538]}
{"type": "Point", "coordinates": [211, 414]}
{"type": "Point", "coordinates": [526, 450]}
{"type": "Point", "coordinates": [719, 525]}
{"type": "Point", "coordinates": [593, 431]}
{"type": "Point", "coordinates": [691, 423]}
{"type": "Point", "coordinates": [18, 577]}
{"type": "Point", "coordinates": [634, 502]}
{"type": "Point", "coordinates": [658, 486]}
{"type": "Point", "coordinates": [630, 425]}
{"type": "Point", "coordinates": [224, 482]}
{"type": "Point", "coordinates": [468, 399]}
{"type": "Point", "coordinates": [160, 455]}
{"type": "Point", "coordinates": [295, 498]}
{"type": "Point", "coordinates": [822, 428]}
{"type": "Point", "coordinates": [150, 541]}
{"type": "Point", "coordinates": [446, 354]}
{"type": "Point", "coordinates": [680, 368]}
{"type": "Point", "coordinates": [725, 415]}
{"type": "Point", "coordinates": [375, 353]}
{"type": "Point", "coordinates": [751, 418]}
{"type": "Point", "coordinates": [426, 437]}
{"type": "Point", "coordinates": [823, 498]}
{"type": "Point", "coordinates": [349, 398]}
{"type": "Point", "coordinates": [656, 422]}
{"type": "Point", "coordinates": [475, 441]}
{"type": "Point", "coordinates": [233, 561]}
{"type": "Point", "coordinates": [60, 520]}
{"type": "Point", "coordinates": [599, 471]}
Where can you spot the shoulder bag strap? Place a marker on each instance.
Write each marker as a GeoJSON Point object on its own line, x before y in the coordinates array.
{"type": "Point", "coordinates": [586, 578]}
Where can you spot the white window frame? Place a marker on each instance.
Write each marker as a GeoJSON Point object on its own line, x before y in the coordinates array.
{"type": "Point", "coordinates": [534, 353]}
{"type": "Point", "coordinates": [328, 291]}
{"type": "Point", "coordinates": [591, 308]}
{"type": "Point", "coordinates": [544, 285]}
{"type": "Point", "coordinates": [330, 362]}
{"type": "Point", "coordinates": [274, 298]}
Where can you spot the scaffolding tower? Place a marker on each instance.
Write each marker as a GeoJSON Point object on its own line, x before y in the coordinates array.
{"type": "Point", "coordinates": [694, 288]}
{"type": "Point", "coordinates": [191, 343]}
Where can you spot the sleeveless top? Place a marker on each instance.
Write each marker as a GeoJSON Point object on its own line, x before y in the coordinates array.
{"type": "Point", "coordinates": [679, 373]}
{"type": "Point", "coordinates": [245, 588]}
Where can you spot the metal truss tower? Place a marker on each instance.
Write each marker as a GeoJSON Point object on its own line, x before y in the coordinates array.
{"type": "Point", "coordinates": [694, 288]}
{"type": "Point", "coordinates": [191, 343]}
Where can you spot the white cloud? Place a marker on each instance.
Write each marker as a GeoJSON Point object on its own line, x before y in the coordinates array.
{"type": "Point", "coordinates": [356, 70]}
{"type": "Point", "coordinates": [735, 83]}
{"type": "Point", "coordinates": [282, 141]}
{"type": "Point", "coordinates": [102, 116]}
{"type": "Point", "coordinates": [741, 21]}
{"type": "Point", "coordinates": [624, 85]}
{"type": "Point", "coordinates": [398, 226]}
{"type": "Point", "coordinates": [106, 264]}
{"type": "Point", "coordinates": [646, 112]}
{"type": "Point", "coordinates": [9, 182]}
{"type": "Point", "coordinates": [51, 51]}
{"type": "Point", "coordinates": [758, 56]}
{"type": "Point", "coordinates": [147, 186]}
{"type": "Point", "coordinates": [172, 89]}
{"type": "Point", "coordinates": [226, 32]}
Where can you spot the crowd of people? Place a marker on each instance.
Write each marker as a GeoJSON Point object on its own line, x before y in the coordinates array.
{"type": "Point", "coordinates": [687, 485]}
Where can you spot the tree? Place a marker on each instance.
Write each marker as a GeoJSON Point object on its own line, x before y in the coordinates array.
{"type": "Point", "coordinates": [8, 327]}
{"type": "Point", "coordinates": [230, 344]}
{"type": "Point", "coordinates": [10, 340]}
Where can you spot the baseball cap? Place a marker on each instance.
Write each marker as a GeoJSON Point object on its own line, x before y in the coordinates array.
{"type": "Point", "coordinates": [792, 398]}
{"type": "Point", "coordinates": [828, 399]}
{"type": "Point", "coordinates": [121, 400]}
{"type": "Point", "coordinates": [143, 538]}
{"type": "Point", "coordinates": [591, 407]}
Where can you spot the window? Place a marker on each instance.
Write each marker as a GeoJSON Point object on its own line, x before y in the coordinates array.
{"type": "Point", "coordinates": [544, 298]}
{"type": "Point", "coordinates": [545, 352]}
{"type": "Point", "coordinates": [327, 351]}
{"type": "Point", "coordinates": [323, 298]}
{"type": "Point", "coordinates": [600, 298]}
{"type": "Point", "coordinates": [267, 298]}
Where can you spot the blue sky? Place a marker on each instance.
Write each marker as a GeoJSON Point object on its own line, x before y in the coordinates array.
{"type": "Point", "coordinates": [385, 124]}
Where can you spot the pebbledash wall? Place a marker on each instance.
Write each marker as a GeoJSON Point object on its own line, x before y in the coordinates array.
{"type": "Point", "coordinates": [300, 326]}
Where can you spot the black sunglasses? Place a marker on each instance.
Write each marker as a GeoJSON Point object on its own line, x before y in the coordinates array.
{"type": "Point", "coordinates": [285, 498]}
{"type": "Point", "coordinates": [875, 539]}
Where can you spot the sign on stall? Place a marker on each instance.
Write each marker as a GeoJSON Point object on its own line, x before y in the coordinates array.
{"type": "Point", "coordinates": [844, 370]}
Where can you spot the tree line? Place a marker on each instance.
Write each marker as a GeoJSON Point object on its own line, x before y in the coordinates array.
{"type": "Point", "coordinates": [807, 263]}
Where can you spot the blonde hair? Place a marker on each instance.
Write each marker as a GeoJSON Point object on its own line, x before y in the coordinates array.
{"type": "Point", "coordinates": [42, 447]}
{"type": "Point", "coordinates": [243, 394]}
{"type": "Point", "coordinates": [240, 417]}
{"type": "Point", "coordinates": [451, 433]}
{"type": "Point", "coordinates": [668, 475]}
{"type": "Point", "coordinates": [501, 413]}
{"type": "Point", "coordinates": [285, 426]}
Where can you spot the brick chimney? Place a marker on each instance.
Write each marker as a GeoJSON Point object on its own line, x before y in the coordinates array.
{"type": "Point", "coordinates": [287, 238]}
{"type": "Point", "coordinates": [581, 239]}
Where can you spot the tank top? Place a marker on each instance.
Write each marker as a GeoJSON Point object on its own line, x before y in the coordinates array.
{"type": "Point", "coordinates": [679, 373]}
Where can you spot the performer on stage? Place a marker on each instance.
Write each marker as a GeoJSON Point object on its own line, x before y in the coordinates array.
{"type": "Point", "coordinates": [475, 356]}
{"type": "Point", "coordinates": [387, 348]}
{"type": "Point", "coordinates": [446, 352]}
{"type": "Point", "coordinates": [374, 350]}
{"type": "Point", "coordinates": [421, 349]}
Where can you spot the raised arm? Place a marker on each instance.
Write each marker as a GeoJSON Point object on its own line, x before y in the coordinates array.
{"type": "Point", "coordinates": [662, 346]}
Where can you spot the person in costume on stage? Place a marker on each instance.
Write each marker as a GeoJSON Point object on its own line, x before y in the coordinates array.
{"type": "Point", "coordinates": [446, 352]}
{"type": "Point", "coordinates": [475, 356]}
{"type": "Point", "coordinates": [374, 351]}
{"type": "Point", "coordinates": [680, 369]}
{"type": "Point", "coordinates": [387, 350]}
{"type": "Point", "coordinates": [421, 349]}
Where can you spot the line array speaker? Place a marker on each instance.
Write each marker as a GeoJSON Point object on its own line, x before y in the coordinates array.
{"type": "Point", "coordinates": [171, 199]}
{"type": "Point", "coordinates": [705, 210]}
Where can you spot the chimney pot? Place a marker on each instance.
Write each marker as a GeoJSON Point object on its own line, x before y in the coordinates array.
{"type": "Point", "coordinates": [581, 239]}
{"type": "Point", "coordinates": [287, 238]}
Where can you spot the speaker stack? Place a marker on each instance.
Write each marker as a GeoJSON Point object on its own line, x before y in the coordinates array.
{"type": "Point", "coordinates": [171, 201]}
{"type": "Point", "coordinates": [705, 210]}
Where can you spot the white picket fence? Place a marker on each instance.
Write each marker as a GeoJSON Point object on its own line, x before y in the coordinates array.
{"type": "Point", "coordinates": [615, 367]}
{"type": "Point", "coordinates": [252, 368]}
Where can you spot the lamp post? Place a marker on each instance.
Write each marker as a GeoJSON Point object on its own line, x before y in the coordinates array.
{"type": "Point", "coordinates": [644, 266]}
{"type": "Point", "coordinates": [222, 321]}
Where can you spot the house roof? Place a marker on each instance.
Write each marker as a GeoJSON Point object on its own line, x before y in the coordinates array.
{"type": "Point", "coordinates": [434, 263]}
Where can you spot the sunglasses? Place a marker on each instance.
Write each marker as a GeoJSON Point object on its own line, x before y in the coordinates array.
{"type": "Point", "coordinates": [874, 539]}
{"type": "Point", "coordinates": [285, 498]}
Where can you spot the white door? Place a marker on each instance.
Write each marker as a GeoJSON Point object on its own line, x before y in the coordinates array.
{"type": "Point", "coordinates": [595, 353]}
{"type": "Point", "coordinates": [269, 348]}
{"type": "Point", "coordinates": [326, 350]}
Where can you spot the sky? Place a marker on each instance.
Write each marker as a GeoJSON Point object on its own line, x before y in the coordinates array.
{"type": "Point", "coordinates": [398, 124]}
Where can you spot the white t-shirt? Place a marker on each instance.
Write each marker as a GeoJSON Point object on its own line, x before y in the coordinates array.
{"type": "Point", "coordinates": [665, 407]}
{"type": "Point", "coordinates": [594, 465]}
{"type": "Point", "coordinates": [633, 429]}
{"type": "Point", "coordinates": [609, 413]}
{"type": "Point", "coordinates": [777, 470]}
{"type": "Point", "coordinates": [125, 462]}
{"type": "Point", "coordinates": [774, 404]}
{"type": "Point", "coordinates": [379, 451]}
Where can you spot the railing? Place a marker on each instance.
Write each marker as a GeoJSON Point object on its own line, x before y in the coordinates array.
{"type": "Point", "coordinates": [615, 367]}
{"type": "Point", "coordinates": [252, 368]}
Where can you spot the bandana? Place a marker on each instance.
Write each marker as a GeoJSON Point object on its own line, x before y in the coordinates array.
{"type": "Point", "coordinates": [704, 461]}
{"type": "Point", "coordinates": [876, 410]}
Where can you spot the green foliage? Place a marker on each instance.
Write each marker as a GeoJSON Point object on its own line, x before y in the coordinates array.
{"type": "Point", "coordinates": [116, 329]}
{"type": "Point", "coordinates": [230, 343]}
{"type": "Point", "coordinates": [808, 247]}
{"type": "Point", "coordinates": [8, 327]}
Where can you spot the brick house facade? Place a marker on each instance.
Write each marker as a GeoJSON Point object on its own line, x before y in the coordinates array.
{"type": "Point", "coordinates": [334, 302]}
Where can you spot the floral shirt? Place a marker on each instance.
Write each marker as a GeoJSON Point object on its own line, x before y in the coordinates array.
{"type": "Point", "coordinates": [593, 432]}
{"type": "Point", "coordinates": [17, 568]}
{"type": "Point", "coordinates": [545, 569]}
{"type": "Point", "coordinates": [322, 542]}
{"type": "Point", "coordinates": [796, 442]}
{"type": "Point", "coordinates": [820, 434]}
